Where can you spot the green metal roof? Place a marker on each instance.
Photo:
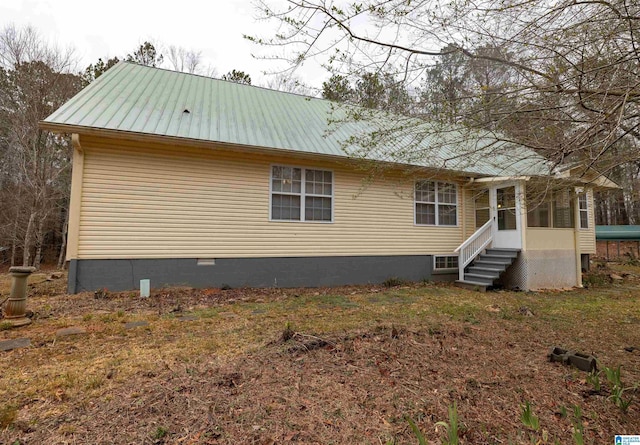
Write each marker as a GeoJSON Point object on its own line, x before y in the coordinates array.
{"type": "Point", "coordinates": [138, 99]}
{"type": "Point", "coordinates": [618, 233]}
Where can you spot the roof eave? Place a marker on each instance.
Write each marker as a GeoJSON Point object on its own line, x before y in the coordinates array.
{"type": "Point", "coordinates": [167, 139]}
{"type": "Point", "coordinates": [600, 181]}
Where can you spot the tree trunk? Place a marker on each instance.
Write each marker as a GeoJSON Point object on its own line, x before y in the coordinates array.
{"type": "Point", "coordinates": [628, 206]}
{"type": "Point", "coordinates": [607, 203]}
{"type": "Point", "coordinates": [39, 242]}
{"type": "Point", "coordinates": [14, 242]}
{"type": "Point", "coordinates": [63, 247]}
{"type": "Point", "coordinates": [26, 254]}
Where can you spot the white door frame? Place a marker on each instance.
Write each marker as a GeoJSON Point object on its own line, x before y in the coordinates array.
{"type": "Point", "coordinates": [511, 239]}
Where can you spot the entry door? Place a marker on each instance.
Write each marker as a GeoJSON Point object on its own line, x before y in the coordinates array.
{"type": "Point", "coordinates": [505, 212]}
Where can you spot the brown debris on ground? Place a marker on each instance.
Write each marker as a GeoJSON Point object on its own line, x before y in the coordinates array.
{"type": "Point", "coordinates": [172, 300]}
{"type": "Point", "coordinates": [354, 389]}
{"type": "Point", "coordinates": [319, 366]}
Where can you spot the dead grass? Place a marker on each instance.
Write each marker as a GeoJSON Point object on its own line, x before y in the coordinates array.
{"type": "Point", "coordinates": [40, 283]}
{"type": "Point", "coordinates": [355, 362]}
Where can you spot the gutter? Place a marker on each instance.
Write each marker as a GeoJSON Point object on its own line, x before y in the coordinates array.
{"type": "Point", "coordinates": [502, 179]}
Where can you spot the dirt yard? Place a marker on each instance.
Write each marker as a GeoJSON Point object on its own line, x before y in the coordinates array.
{"type": "Point", "coordinates": [321, 366]}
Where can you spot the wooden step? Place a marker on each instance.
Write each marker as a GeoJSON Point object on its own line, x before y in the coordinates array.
{"type": "Point", "coordinates": [486, 270]}
{"type": "Point", "coordinates": [511, 253]}
{"type": "Point", "coordinates": [489, 278]}
{"type": "Point", "coordinates": [472, 285]}
{"type": "Point", "coordinates": [498, 265]}
{"type": "Point", "coordinates": [496, 258]}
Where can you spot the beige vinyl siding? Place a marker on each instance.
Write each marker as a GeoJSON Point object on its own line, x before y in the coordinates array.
{"type": "Point", "coordinates": [469, 212]}
{"type": "Point", "coordinates": [588, 236]}
{"type": "Point", "coordinates": [158, 201]}
{"type": "Point", "coordinates": [545, 238]}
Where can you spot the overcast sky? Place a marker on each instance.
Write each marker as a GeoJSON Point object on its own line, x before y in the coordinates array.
{"type": "Point", "coordinates": [107, 28]}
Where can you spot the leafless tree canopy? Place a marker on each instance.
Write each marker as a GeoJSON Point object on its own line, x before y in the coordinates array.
{"type": "Point", "coordinates": [561, 77]}
{"type": "Point", "coordinates": [35, 79]}
{"type": "Point", "coordinates": [289, 83]}
{"type": "Point", "coordinates": [184, 60]}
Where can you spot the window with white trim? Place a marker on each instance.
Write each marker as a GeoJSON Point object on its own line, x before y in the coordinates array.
{"type": "Point", "coordinates": [301, 194]}
{"type": "Point", "coordinates": [506, 208]}
{"type": "Point", "coordinates": [436, 203]}
{"type": "Point", "coordinates": [563, 209]}
{"type": "Point", "coordinates": [445, 262]}
{"type": "Point", "coordinates": [556, 210]}
{"type": "Point", "coordinates": [583, 206]}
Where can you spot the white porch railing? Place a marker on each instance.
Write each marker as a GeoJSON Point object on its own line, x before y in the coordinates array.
{"type": "Point", "coordinates": [472, 247]}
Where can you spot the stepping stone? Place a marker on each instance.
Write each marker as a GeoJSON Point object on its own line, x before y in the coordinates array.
{"type": "Point", "coordinates": [73, 330]}
{"type": "Point", "coordinates": [259, 311]}
{"type": "Point", "coordinates": [8, 345]}
{"type": "Point", "coordinates": [187, 318]}
{"type": "Point", "coordinates": [135, 324]}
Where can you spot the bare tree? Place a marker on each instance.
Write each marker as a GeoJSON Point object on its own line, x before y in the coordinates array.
{"type": "Point", "coordinates": [289, 83]}
{"type": "Point", "coordinates": [567, 69]}
{"type": "Point", "coordinates": [19, 45]}
{"type": "Point", "coordinates": [184, 60]}
{"type": "Point", "coordinates": [35, 79]}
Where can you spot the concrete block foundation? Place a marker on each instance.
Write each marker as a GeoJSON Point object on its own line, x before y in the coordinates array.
{"type": "Point", "coordinates": [125, 274]}
{"type": "Point", "coordinates": [542, 269]}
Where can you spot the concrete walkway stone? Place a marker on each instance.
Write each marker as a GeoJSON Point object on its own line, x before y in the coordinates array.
{"type": "Point", "coordinates": [187, 318]}
{"type": "Point", "coordinates": [8, 345]}
{"type": "Point", "coordinates": [73, 330]}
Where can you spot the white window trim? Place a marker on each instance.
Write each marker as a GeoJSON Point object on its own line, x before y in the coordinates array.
{"type": "Point", "coordinates": [550, 201]}
{"type": "Point", "coordinates": [437, 224]}
{"type": "Point", "coordinates": [302, 194]}
{"type": "Point", "coordinates": [586, 210]}
{"type": "Point", "coordinates": [436, 270]}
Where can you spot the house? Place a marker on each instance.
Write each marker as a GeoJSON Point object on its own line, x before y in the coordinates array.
{"type": "Point", "coordinates": [187, 180]}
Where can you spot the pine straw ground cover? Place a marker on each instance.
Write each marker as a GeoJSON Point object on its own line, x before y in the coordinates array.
{"type": "Point", "coordinates": [318, 366]}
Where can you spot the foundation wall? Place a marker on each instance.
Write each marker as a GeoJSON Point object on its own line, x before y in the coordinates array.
{"type": "Point", "coordinates": [542, 269]}
{"type": "Point", "coordinates": [125, 274]}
